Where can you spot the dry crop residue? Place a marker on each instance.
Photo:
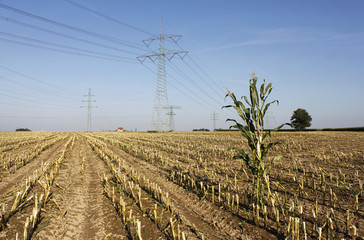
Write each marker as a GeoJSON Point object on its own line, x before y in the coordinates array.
{"type": "Point", "coordinates": [82, 211]}
{"type": "Point", "coordinates": [167, 186]}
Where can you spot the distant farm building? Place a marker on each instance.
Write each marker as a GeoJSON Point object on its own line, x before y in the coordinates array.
{"type": "Point", "coordinates": [120, 129]}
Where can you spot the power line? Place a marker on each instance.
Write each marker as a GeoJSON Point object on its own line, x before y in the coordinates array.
{"type": "Point", "coordinates": [142, 8]}
{"type": "Point", "coordinates": [121, 116]}
{"type": "Point", "coordinates": [107, 17]}
{"type": "Point", "coordinates": [159, 121]}
{"type": "Point", "coordinates": [62, 46]}
{"type": "Point", "coordinates": [93, 34]}
{"type": "Point", "coordinates": [179, 89]}
{"type": "Point", "coordinates": [2, 5]}
{"type": "Point", "coordinates": [194, 83]}
{"type": "Point", "coordinates": [30, 78]}
{"type": "Point", "coordinates": [63, 51]}
{"type": "Point", "coordinates": [64, 35]}
{"type": "Point", "coordinates": [202, 101]}
{"type": "Point", "coordinates": [31, 106]}
{"type": "Point", "coordinates": [139, 29]}
{"type": "Point", "coordinates": [30, 100]}
{"type": "Point", "coordinates": [171, 36]}
{"type": "Point", "coordinates": [191, 81]}
{"type": "Point", "coordinates": [22, 84]}
{"type": "Point", "coordinates": [182, 74]}
{"type": "Point", "coordinates": [207, 84]}
{"type": "Point", "coordinates": [188, 89]}
{"type": "Point", "coordinates": [26, 95]}
{"type": "Point", "coordinates": [201, 70]}
{"type": "Point", "coordinates": [55, 118]}
{"type": "Point", "coordinates": [218, 87]}
{"type": "Point", "coordinates": [39, 89]}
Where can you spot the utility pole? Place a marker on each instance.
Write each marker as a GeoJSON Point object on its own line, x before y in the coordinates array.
{"type": "Point", "coordinates": [161, 106]}
{"type": "Point", "coordinates": [214, 116]}
{"type": "Point", "coordinates": [171, 116]}
{"type": "Point", "coordinates": [89, 106]}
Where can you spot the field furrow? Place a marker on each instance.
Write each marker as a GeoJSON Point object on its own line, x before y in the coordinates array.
{"type": "Point", "coordinates": [108, 185]}
{"type": "Point", "coordinates": [81, 210]}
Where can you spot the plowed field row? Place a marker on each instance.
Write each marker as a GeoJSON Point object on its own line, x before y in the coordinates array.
{"type": "Point", "coordinates": [177, 186]}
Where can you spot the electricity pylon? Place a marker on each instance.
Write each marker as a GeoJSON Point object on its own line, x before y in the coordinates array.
{"type": "Point", "coordinates": [89, 106]}
{"type": "Point", "coordinates": [171, 116]}
{"type": "Point", "coordinates": [161, 106]}
{"type": "Point", "coordinates": [214, 117]}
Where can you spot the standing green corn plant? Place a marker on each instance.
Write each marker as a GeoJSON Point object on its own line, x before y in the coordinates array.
{"type": "Point", "coordinates": [252, 112]}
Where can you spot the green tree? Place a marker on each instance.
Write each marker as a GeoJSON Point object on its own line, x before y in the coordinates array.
{"type": "Point", "coordinates": [300, 119]}
{"type": "Point", "coordinates": [23, 129]}
{"type": "Point", "coordinates": [252, 113]}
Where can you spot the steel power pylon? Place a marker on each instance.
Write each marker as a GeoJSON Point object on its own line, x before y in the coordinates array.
{"type": "Point", "coordinates": [214, 117]}
{"type": "Point", "coordinates": [171, 116]}
{"type": "Point", "coordinates": [161, 106]}
{"type": "Point", "coordinates": [89, 106]}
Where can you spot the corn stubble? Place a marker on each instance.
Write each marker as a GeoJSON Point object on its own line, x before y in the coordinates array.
{"type": "Point", "coordinates": [293, 197]}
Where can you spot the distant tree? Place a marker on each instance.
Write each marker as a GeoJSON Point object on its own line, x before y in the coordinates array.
{"type": "Point", "coordinates": [201, 130]}
{"type": "Point", "coordinates": [300, 119]}
{"type": "Point", "coordinates": [22, 129]}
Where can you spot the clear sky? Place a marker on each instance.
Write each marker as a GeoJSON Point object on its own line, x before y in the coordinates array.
{"type": "Point", "coordinates": [52, 52]}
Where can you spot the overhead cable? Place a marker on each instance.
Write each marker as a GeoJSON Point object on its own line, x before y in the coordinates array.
{"type": "Point", "coordinates": [217, 86]}
{"type": "Point", "coordinates": [55, 118]}
{"type": "Point", "coordinates": [30, 96]}
{"type": "Point", "coordinates": [56, 88]}
{"type": "Point", "coordinates": [107, 17]}
{"type": "Point", "coordinates": [182, 74]}
{"type": "Point", "coordinates": [179, 89]}
{"type": "Point", "coordinates": [63, 51]}
{"type": "Point", "coordinates": [94, 34]}
{"type": "Point", "coordinates": [30, 100]}
{"type": "Point", "coordinates": [65, 35]}
{"type": "Point", "coordinates": [63, 46]}
{"type": "Point", "coordinates": [207, 84]}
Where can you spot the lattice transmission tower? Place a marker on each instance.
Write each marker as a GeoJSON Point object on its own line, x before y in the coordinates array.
{"type": "Point", "coordinates": [171, 115]}
{"type": "Point", "coordinates": [161, 106]}
{"type": "Point", "coordinates": [89, 106]}
{"type": "Point", "coordinates": [214, 116]}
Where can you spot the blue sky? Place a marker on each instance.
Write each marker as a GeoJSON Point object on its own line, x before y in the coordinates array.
{"type": "Point", "coordinates": [311, 51]}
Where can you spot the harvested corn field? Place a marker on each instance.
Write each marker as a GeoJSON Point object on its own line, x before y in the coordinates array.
{"type": "Point", "coordinates": [108, 185]}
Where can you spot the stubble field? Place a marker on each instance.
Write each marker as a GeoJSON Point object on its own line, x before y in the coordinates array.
{"type": "Point", "coordinates": [108, 185]}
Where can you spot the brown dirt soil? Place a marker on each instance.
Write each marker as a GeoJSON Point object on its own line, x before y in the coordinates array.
{"type": "Point", "coordinates": [12, 181]}
{"type": "Point", "coordinates": [78, 208]}
{"type": "Point", "coordinates": [83, 212]}
{"type": "Point", "coordinates": [207, 218]}
{"type": "Point", "coordinates": [25, 150]}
